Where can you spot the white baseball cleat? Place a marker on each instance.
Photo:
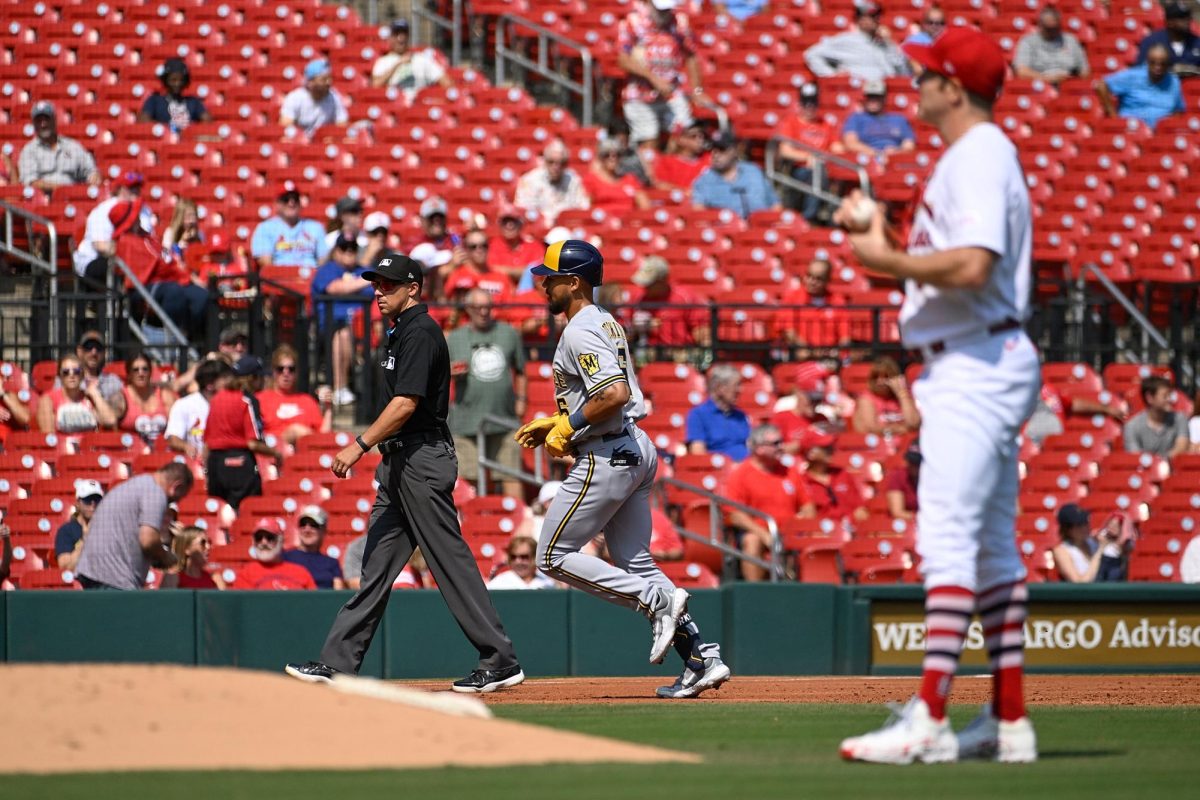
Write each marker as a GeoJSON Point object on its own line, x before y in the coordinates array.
{"type": "Point", "coordinates": [990, 738]}
{"type": "Point", "coordinates": [666, 618]}
{"type": "Point", "coordinates": [691, 683]}
{"type": "Point", "coordinates": [910, 735]}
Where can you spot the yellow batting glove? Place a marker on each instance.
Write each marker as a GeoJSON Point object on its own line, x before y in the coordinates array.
{"type": "Point", "coordinates": [533, 433]}
{"type": "Point", "coordinates": [558, 440]}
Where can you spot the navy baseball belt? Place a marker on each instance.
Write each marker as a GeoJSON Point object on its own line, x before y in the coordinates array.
{"type": "Point", "coordinates": [592, 443]}
{"type": "Point", "coordinates": [398, 443]}
{"type": "Point", "coordinates": [1006, 324]}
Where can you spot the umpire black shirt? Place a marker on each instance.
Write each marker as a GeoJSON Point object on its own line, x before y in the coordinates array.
{"type": "Point", "coordinates": [417, 363]}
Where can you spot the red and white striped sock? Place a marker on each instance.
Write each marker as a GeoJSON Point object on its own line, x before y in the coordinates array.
{"type": "Point", "coordinates": [1003, 610]}
{"type": "Point", "coordinates": [948, 612]}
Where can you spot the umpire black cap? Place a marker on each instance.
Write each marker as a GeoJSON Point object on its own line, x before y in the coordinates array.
{"type": "Point", "coordinates": [573, 257]}
{"type": "Point", "coordinates": [396, 267]}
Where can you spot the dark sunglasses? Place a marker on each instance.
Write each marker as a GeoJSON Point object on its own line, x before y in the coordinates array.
{"type": "Point", "coordinates": [70, 371]}
{"type": "Point", "coordinates": [477, 246]}
{"type": "Point", "coordinates": [92, 344]}
{"type": "Point", "coordinates": [772, 443]}
{"type": "Point", "coordinates": [521, 557]}
{"type": "Point", "coordinates": [139, 369]}
{"type": "Point", "coordinates": [286, 368]}
{"type": "Point", "coordinates": [310, 523]}
{"type": "Point", "coordinates": [265, 536]}
{"type": "Point", "coordinates": [91, 500]}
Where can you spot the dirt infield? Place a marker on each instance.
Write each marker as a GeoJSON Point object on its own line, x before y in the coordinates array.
{"type": "Point", "coordinates": [1108, 690]}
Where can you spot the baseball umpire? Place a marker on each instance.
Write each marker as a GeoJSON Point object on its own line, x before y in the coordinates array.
{"type": "Point", "coordinates": [414, 506]}
{"type": "Point", "coordinates": [608, 488]}
{"type": "Point", "coordinates": [967, 273]}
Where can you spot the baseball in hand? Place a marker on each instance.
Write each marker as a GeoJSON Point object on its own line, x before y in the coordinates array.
{"type": "Point", "coordinates": [861, 215]}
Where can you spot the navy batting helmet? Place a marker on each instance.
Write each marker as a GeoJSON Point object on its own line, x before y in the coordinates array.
{"type": "Point", "coordinates": [573, 257]}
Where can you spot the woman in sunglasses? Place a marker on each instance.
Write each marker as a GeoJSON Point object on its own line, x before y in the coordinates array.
{"type": "Point", "coordinates": [69, 407]}
{"type": "Point", "coordinates": [191, 546]}
{"type": "Point", "coordinates": [288, 413]}
{"type": "Point", "coordinates": [146, 404]}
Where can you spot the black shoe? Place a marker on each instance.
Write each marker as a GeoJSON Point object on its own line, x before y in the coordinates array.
{"type": "Point", "coordinates": [482, 681]}
{"type": "Point", "coordinates": [312, 672]}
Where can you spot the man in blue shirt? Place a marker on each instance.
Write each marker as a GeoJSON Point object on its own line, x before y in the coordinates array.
{"type": "Point", "coordinates": [717, 425]}
{"type": "Point", "coordinates": [1147, 92]}
{"type": "Point", "coordinates": [1178, 38]}
{"type": "Point", "coordinates": [875, 132]}
{"type": "Point", "coordinates": [341, 275]}
{"type": "Point", "coordinates": [286, 240]}
{"type": "Point", "coordinates": [325, 570]}
{"type": "Point", "coordinates": [730, 183]}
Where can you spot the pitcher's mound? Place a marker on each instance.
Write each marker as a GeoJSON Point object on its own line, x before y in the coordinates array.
{"type": "Point", "coordinates": [85, 718]}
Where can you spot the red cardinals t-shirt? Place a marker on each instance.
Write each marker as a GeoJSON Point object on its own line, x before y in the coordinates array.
{"type": "Point", "coordinates": [824, 324]}
{"type": "Point", "coordinates": [775, 492]}
{"type": "Point", "coordinates": [839, 498]}
{"type": "Point", "coordinates": [280, 411]}
{"type": "Point", "coordinates": [611, 196]}
{"type": "Point", "coordinates": [280, 576]}
{"type": "Point", "coordinates": [504, 257]}
{"type": "Point", "coordinates": [818, 134]}
{"type": "Point", "coordinates": [679, 171]}
{"type": "Point", "coordinates": [233, 420]}
{"type": "Point", "coordinates": [791, 425]}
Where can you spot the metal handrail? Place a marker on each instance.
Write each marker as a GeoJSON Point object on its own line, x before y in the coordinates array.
{"type": "Point", "coordinates": [820, 159]}
{"type": "Point", "coordinates": [1147, 327]}
{"type": "Point", "coordinates": [512, 423]}
{"type": "Point", "coordinates": [168, 324]}
{"type": "Point", "coordinates": [452, 24]}
{"type": "Point", "coordinates": [504, 53]}
{"type": "Point", "coordinates": [50, 267]}
{"type": "Point", "coordinates": [715, 503]}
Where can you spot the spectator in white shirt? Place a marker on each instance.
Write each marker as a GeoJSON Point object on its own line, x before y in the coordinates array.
{"type": "Point", "coordinates": [864, 52]}
{"type": "Point", "coordinates": [92, 254]}
{"type": "Point", "coordinates": [314, 104]}
{"type": "Point", "coordinates": [405, 68]}
{"type": "Point", "coordinates": [553, 187]}
{"type": "Point", "coordinates": [189, 415]}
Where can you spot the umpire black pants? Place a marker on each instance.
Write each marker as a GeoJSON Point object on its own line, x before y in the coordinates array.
{"type": "Point", "coordinates": [415, 508]}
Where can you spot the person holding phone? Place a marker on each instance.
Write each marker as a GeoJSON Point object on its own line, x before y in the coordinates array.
{"type": "Point", "coordinates": [1084, 556]}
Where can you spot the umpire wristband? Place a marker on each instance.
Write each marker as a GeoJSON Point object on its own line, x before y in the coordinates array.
{"type": "Point", "coordinates": [577, 419]}
{"type": "Point", "coordinates": [365, 447]}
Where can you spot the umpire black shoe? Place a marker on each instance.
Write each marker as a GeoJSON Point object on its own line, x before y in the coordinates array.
{"type": "Point", "coordinates": [482, 681]}
{"type": "Point", "coordinates": [312, 672]}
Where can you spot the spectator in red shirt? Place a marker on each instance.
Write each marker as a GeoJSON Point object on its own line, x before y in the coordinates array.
{"type": "Point", "coordinates": [806, 126]}
{"type": "Point", "coordinates": [234, 434]}
{"type": "Point", "coordinates": [287, 413]}
{"type": "Point", "coordinates": [672, 325]}
{"type": "Point", "coordinates": [608, 192]}
{"type": "Point", "coordinates": [764, 483]}
{"type": "Point", "coordinates": [900, 488]}
{"type": "Point", "coordinates": [797, 412]}
{"type": "Point", "coordinates": [887, 407]}
{"type": "Point", "coordinates": [686, 157]}
{"type": "Point", "coordinates": [835, 492]}
{"type": "Point", "coordinates": [513, 251]}
{"type": "Point", "coordinates": [813, 317]}
{"type": "Point", "coordinates": [477, 273]}
{"type": "Point", "coordinates": [191, 546]}
{"type": "Point", "coordinates": [269, 571]}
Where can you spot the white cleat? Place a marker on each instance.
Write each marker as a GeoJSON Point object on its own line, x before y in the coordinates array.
{"type": "Point", "coordinates": [987, 737]}
{"type": "Point", "coordinates": [910, 735]}
{"type": "Point", "coordinates": [666, 618]}
{"type": "Point", "coordinates": [690, 683]}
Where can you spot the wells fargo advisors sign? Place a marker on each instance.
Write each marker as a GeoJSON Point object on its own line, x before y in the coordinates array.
{"type": "Point", "coordinates": [1056, 635]}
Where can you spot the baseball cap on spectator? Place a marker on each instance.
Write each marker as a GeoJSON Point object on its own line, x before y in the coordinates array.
{"type": "Point", "coordinates": [510, 211]}
{"type": "Point", "coordinates": [86, 488]}
{"type": "Point", "coordinates": [288, 189]}
{"type": "Point", "coordinates": [316, 68]}
{"type": "Point", "coordinates": [42, 108]}
{"type": "Point", "coordinates": [90, 336]}
{"type": "Point", "coordinates": [396, 267]}
{"type": "Point", "coordinates": [249, 365]}
{"type": "Point", "coordinates": [349, 205]}
{"type": "Point", "coordinates": [399, 26]}
{"type": "Point", "coordinates": [811, 376]}
{"type": "Point", "coordinates": [865, 8]}
{"type": "Point", "coordinates": [430, 256]}
{"type": "Point", "coordinates": [874, 89]}
{"type": "Point", "coordinates": [723, 140]}
{"type": "Point", "coordinates": [344, 243]}
{"type": "Point", "coordinates": [434, 205]}
{"type": "Point", "coordinates": [124, 216]}
{"type": "Point", "coordinates": [130, 179]}
{"type": "Point", "coordinates": [270, 525]}
{"type": "Point", "coordinates": [810, 94]}
{"type": "Point", "coordinates": [966, 55]}
{"type": "Point", "coordinates": [234, 334]}
{"type": "Point", "coordinates": [652, 270]}
{"type": "Point", "coordinates": [315, 513]}
{"type": "Point", "coordinates": [1072, 514]}
{"type": "Point", "coordinates": [815, 437]}
{"type": "Point", "coordinates": [1177, 11]}
{"type": "Point", "coordinates": [376, 220]}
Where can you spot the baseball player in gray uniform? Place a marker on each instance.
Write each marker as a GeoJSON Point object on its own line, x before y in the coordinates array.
{"type": "Point", "coordinates": [608, 488]}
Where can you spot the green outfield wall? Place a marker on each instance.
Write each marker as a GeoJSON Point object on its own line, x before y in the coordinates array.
{"type": "Point", "coordinates": [792, 629]}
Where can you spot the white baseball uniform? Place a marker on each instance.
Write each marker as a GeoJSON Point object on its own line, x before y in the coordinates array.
{"type": "Point", "coordinates": [982, 374]}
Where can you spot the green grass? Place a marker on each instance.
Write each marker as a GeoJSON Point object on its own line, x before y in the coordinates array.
{"type": "Point", "coordinates": [750, 751]}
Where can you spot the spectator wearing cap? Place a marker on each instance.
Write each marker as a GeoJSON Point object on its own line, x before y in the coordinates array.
{"type": "Point", "coordinates": [900, 486]}
{"type": "Point", "coordinates": [606, 190]}
{"type": "Point", "coordinates": [874, 132]}
{"type": "Point", "coordinates": [836, 493]}
{"type": "Point", "coordinates": [1049, 53]}
{"type": "Point", "coordinates": [931, 26]}
{"type": "Point", "coordinates": [188, 418]}
{"type": "Point", "coordinates": [764, 483]}
{"type": "Point", "coordinates": [341, 276]}
{"type": "Point", "coordinates": [686, 157]}
{"type": "Point", "coordinates": [553, 187]}
{"type": "Point", "coordinates": [287, 239]}
{"type": "Point", "coordinates": [657, 48]}
{"type": "Point", "coordinates": [346, 222]}
{"type": "Point", "coordinates": [325, 570]}
{"type": "Point", "coordinates": [437, 247]}
{"type": "Point", "coordinates": [315, 104]}
{"type": "Point", "coordinates": [796, 412]}
{"type": "Point", "coordinates": [807, 127]}
{"type": "Point", "coordinates": [511, 250]}
{"type": "Point", "coordinates": [288, 413]}
{"type": "Point", "coordinates": [170, 106]}
{"type": "Point", "coordinates": [269, 571]}
{"type": "Point", "coordinates": [68, 540]}
{"type": "Point", "coordinates": [1148, 91]}
{"type": "Point", "coordinates": [1179, 39]}
{"type": "Point", "coordinates": [376, 227]}
{"type": "Point", "coordinates": [233, 435]}
{"type": "Point", "coordinates": [48, 160]}
{"type": "Point", "coordinates": [1158, 429]}
{"type": "Point", "coordinates": [406, 68]}
{"type": "Point", "coordinates": [886, 408]}
{"type": "Point", "coordinates": [717, 425]}
{"type": "Point", "coordinates": [675, 316]}
{"type": "Point", "coordinates": [731, 183]}
{"type": "Point", "coordinates": [1086, 556]}
{"type": "Point", "coordinates": [813, 317]}
{"type": "Point", "coordinates": [233, 343]}
{"type": "Point", "coordinates": [91, 352]}
{"type": "Point", "coordinates": [864, 52]}
{"type": "Point", "coordinates": [98, 244]}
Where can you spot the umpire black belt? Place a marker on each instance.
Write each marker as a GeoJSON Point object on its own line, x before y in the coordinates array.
{"type": "Point", "coordinates": [398, 443]}
{"type": "Point", "coordinates": [1006, 324]}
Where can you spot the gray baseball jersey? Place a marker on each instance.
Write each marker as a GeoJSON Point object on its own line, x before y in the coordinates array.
{"type": "Point", "coordinates": [593, 354]}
